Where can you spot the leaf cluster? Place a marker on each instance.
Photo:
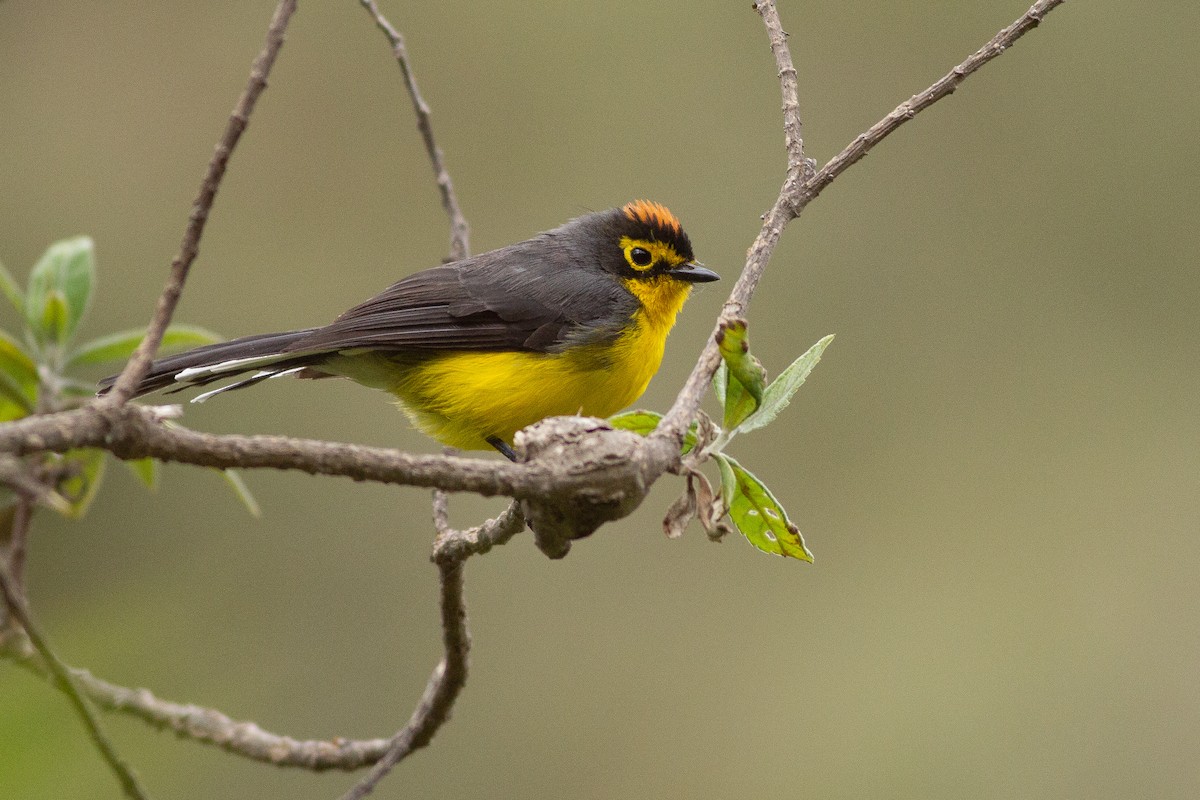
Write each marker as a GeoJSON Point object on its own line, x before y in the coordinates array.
{"type": "Point", "coordinates": [38, 366]}
{"type": "Point", "coordinates": [748, 402]}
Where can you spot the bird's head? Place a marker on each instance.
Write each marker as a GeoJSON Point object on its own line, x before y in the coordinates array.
{"type": "Point", "coordinates": [644, 246]}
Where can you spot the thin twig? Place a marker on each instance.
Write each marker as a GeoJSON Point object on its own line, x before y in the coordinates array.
{"type": "Point", "coordinates": [18, 543]}
{"type": "Point", "coordinates": [789, 87]}
{"type": "Point", "coordinates": [207, 725]}
{"type": "Point", "coordinates": [459, 231]}
{"type": "Point", "coordinates": [62, 678]}
{"type": "Point", "coordinates": [442, 690]}
{"type": "Point", "coordinates": [139, 363]}
{"type": "Point", "coordinates": [455, 545]}
{"type": "Point", "coordinates": [798, 191]}
{"type": "Point", "coordinates": [944, 86]}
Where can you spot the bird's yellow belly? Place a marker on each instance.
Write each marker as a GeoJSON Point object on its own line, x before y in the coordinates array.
{"type": "Point", "coordinates": [462, 398]}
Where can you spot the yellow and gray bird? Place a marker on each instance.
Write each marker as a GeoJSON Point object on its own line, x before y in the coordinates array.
{"type": "Point", "coordinates": [573, 320]}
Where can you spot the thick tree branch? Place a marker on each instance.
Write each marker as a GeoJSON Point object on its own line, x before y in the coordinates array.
{"type": "Point", "coordinates": [139, 364]}
{"type": "Point", "coordinates": [138, 431]}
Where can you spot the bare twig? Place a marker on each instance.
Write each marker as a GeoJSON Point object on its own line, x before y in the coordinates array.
{"type": "Point", "coordinates": [206, 725]}
{"type": "Point", "coordinates": [801, 186]}
{"type": "Point", "coordinates": [442, 690]}
{"type": "Point", "coordinates": [441, 513]}
{"type": "Point", "coordinates": [450, 674]}
{"type": "Point", "coordinates": [789, 88]}
{"type": "Point", "coordinates": [18, 543]}
{"type": "Point", "coordinates": [919, 102]}
{"type": "Point", "coordinates": [459, 231]}
{"type": "Point", "coordinates": [139, 364]}
{"type": "Point", "coordinates": [15, 605]}
{"type": "Point", "coordinates": [455, 545]}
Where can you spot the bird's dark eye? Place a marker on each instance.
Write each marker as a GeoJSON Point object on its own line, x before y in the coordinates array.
{"type": "Point", "coordinates": [640, 257]}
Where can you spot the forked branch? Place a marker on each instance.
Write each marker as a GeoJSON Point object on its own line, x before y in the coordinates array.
{"type": "Point", "coordinates": [132, 432]}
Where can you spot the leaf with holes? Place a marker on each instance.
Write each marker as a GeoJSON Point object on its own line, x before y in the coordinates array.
{"type": "Point", "coordinates": [757, 514]}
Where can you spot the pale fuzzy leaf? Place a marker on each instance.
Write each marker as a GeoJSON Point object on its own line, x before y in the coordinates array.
{"type": "Point", "coordinates": [779, 393]}
{"type": "Point", "coordinates": [239, 487]}
{"type": "Point", "coordinates": [145, 470]}
{"type": "Point", "coordinates": [12, 290]}
{"type": "Point", "coordinates": [120, 346]}
{"type": "Point", "coordinates": [68, 269]}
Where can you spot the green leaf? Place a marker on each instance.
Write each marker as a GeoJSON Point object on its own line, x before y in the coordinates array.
{"type": "Point", "coordinates": [120, 346]}
{"type": "Point", "coordinates": [9, 410]}
{"type": "Point", "coordinates": [639, 421]}
{"type": "Point", "coordinates": [68, 269]}
{"type": "Point", "coordinates": [145, 470]}
{"type": "Point", "coordinates": [80, 486]}
{"type": "Point", "coordinates": [746, 379]}
{"type": "Point", "coordinates": [739, 403]}
{"type": "Point", "coordinates": [239, 487]}
{"type": "Point", "coordinates": [728, 479]}
{"type": "Point", "coordinates": [11, 289]}
{"type": "Point", "coordinates": [55, 319]}
{"type": "Point", "coordinates": [779, 393]}
{"type": "Point", "coordinates": [719, 383]}
{"type": "Point", "coordinates": [14, 395]}
{"type": "Point", "coordinates": [18, 373]}
{"type": "Point", "coordinates": [643, 423]}
{"type": "Point", "coordinates": [757, 514]}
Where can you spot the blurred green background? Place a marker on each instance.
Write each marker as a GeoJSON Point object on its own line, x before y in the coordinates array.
{"type": "Point", "coordinates": [996, 463]}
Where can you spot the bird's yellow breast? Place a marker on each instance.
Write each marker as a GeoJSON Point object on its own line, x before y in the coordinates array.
{"type": "Point", "coordinates": [462, 398]}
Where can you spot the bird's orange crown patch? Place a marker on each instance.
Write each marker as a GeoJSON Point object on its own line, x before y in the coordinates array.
{"type": "Point", "coordinates": [656, 215]}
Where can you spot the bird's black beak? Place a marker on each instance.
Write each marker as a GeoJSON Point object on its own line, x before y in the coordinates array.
{"type": "Point", "coordinates": [694, 272]}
